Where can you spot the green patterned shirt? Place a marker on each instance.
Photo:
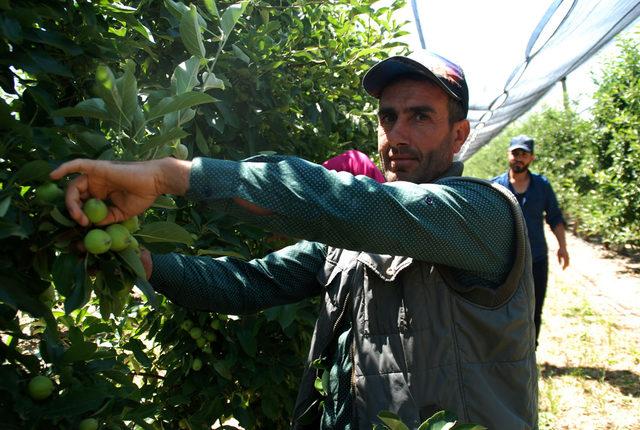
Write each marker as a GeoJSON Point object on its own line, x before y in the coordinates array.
{"type": "Point", "coordinates": [456, 223]}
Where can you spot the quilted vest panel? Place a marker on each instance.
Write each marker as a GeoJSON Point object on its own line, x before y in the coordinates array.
{"type": "Point", "coordinates": [424, 343]}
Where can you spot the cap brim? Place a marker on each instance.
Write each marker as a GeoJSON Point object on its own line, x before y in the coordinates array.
{"type": "Point", "coordinates": [380, 75]}
{"type": "Point", "coordinates": [520, 146]}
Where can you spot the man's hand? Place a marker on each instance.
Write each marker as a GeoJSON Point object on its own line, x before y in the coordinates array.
{"type": "Point", "coordinates": [132, 187]}
{"type": "Point", "coordinates": [147, 262]}
{"type": "Point", "coordinates": [563, 257]}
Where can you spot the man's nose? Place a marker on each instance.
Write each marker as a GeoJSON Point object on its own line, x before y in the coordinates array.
{"type": "Point", "coordinates": [397, 134]}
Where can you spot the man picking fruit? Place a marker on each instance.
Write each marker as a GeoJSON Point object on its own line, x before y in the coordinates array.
{"type": "Point", "coordinates": [425, 280]}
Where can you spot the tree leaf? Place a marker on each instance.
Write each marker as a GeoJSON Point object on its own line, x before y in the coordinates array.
{"type": "Point", "coordinates": [62, 271]}
{"type": "Point", "coordinates": [146, 288]}
{"type": "Point", "coordinates": [201, 143]}
{"type": "Point", "coordinates": [392, 421]}
{"type": "Point", "coordinates": [128, 90]}
{"type": "Point", "coordinates": [61, 219]}
{"type": "Point", "coordinates": [137, 347]}
{"type": "Point", "coordinates": [11, 29]}
{"type": "Point", "coordinates": [36, 170]}
{"type": "Point", "coordinates": [90, 108]}
{"type": "Point", "coordinates": [223, 368]}
{"type": "Point", "coordinates": [211, 7]}
{"type": "Point", "coordinates": [178, 102]}
{"type": "Point", "coordinates": [8, 229]}
{"type": "Point", "coordinates": [191, 34]}
{"type": "Point", "coordinates": [164, 202]}
{"type": "Point", "coordinates": [132, 259]}
{"type": "Point", "coordinates": [185, 75]}
{"type": "Point", "coordinates": [209, 81]}
{"type": "Point", "coordinates": [77, 400]}
{"type": "Point", "coordinates": [230, 17]}
{"type": "Point", "coordinates": [240, 54]}
{"type": "Point", "coordinates": [144, 30]}
{"type": "Point", "coordinates": [4, 206]}
{"type": "Point", "coordinates": [156, 142]}
{"type": "Point", "coordinates": [80, 292]}
{"type": "Point", "coordinates": [247, 341]}
{"type": "Point", "coordinates": [164, 231]}
{"type": "Point", "coordinates": [441, 420]}
{"type": "Point", "coordinates": [15, 294]}
{"type": "Point", "coordinates": [79, 351]}
{"type": "Point", "coordinates": [40, 62]}
{"type": "Point", "coordinates": [107, 88]}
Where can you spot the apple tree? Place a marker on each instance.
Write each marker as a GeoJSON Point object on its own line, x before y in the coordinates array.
{"type": "Point", "coordinates": [85, 341]}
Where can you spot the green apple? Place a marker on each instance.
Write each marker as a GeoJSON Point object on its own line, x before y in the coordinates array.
{"type": "Point", "coordinates": [40, 387]}
{"type": "Point", "coordinates": [186, 325]}
{"type": "Point", "coordinates": [97, 241]}
{"type": "Point", "coordinates": [197, 364]}
{"type": "Point", "coordinates": [88, 424]}
{"type": "Point", "coordinates": [195, 332]}
{"type": "Point", "coordinates": [48, 193]}
{"type": "Point", "coordinates": [120, 237]}
{"type": "Point", "coordinates": [95, 209]}
{"type": "Point", "coordinates": [132, 224]}
{"type": "Point", "coordinates": [181, 152]}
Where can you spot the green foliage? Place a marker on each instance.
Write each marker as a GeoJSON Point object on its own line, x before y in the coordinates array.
{"type": "Point", "coordinates": [134, 80]}
{"type": "Point", "coordinates": [593, 165]}
{"type": "Point", "coordinates": [442, 420]}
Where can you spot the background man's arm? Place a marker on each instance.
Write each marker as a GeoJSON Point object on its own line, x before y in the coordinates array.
{"type": "Point", "coordinates": [556, 222]}
{"type": "Point", "coordinates": [563, 255]}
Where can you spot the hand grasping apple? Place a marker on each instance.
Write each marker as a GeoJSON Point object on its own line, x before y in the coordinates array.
{"type": "Point", "coordinates": [131, 187]}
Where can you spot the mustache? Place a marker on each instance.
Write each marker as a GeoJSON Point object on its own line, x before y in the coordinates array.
{"type": "Point", "coordinates": [402, 151]}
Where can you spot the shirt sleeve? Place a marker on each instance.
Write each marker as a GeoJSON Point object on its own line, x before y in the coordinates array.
{"type": "Point", "coordinates": [457, 223]}
{"type": "Point", "coordinates": [553, 214]}
{"type": "Point", "coordinates": [233, 286]}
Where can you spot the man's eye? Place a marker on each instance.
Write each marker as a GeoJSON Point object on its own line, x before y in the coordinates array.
{"type": "Point", "coordinates": [421, 116]}
{"type": "Point", "coordinates": [387, 118]}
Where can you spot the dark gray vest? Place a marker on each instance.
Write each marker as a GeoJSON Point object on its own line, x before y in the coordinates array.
{"type": "Point", "coordinates": [423, 343]}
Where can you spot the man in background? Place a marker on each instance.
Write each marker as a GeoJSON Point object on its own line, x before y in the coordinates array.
{"type": "Point", "coordinates": [537, 200]}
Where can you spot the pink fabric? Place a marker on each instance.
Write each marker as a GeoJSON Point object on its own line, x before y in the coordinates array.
{"type": "Point", "coordinates": [356, 163]}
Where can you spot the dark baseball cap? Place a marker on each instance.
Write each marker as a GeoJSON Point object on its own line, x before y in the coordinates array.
{"type": "Point", "coordinates": [521, 142]}
{"type": "Point", "coordinates": [447, 75]}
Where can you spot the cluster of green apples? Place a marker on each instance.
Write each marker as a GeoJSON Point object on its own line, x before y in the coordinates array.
{"type": "Point", "coordinates": [115, 237]}
{"type": "Point", "coordinates": [203, 336]}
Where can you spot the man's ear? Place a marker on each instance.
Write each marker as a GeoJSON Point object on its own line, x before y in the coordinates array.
{"type": "Point", "coordinates": [461, 131]}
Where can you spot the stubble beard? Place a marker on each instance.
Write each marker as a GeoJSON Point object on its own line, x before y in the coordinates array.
{"type": "Point", "coordinates": [519, 168]}
{"type": "Point", "coordinates": [431, 166]}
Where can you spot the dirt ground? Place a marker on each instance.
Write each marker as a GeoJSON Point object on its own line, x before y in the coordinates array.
{"type": "Point", "coordinates": [589, 352]}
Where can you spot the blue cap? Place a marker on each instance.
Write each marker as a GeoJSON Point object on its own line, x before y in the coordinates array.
{"type": "Point", "coordinates": [522, 142]}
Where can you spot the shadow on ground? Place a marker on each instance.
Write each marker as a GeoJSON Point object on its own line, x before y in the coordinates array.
{"type": "Point", "coordinates": [626, 381]}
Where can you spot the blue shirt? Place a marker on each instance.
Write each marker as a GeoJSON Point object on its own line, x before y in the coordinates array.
{"type": "Point", "coordinates": [537, 201]}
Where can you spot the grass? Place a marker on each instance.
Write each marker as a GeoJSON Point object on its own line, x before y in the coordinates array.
{"type": "Point", "coordinates": [589, 357]}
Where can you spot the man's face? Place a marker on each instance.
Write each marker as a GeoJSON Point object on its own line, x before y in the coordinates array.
{"type": "Point", "coordinates": [415, 140]}
{"type": "Point", "coordinates": [519, 160]}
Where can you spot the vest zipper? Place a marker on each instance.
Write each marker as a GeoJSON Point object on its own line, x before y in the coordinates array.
{"type": "Point", "coordinates": [344, 309]}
